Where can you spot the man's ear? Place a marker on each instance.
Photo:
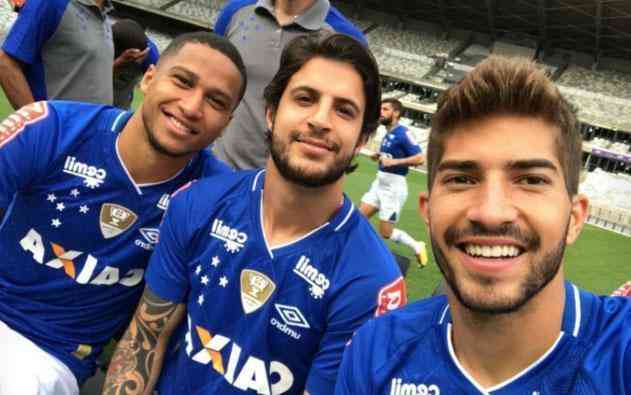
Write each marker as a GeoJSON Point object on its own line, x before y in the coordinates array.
{"type": "Point", "coordinates": [423, 207]}
{"type": "Point", "coordinates": [269, 117]}
{"type": "Point", "coordinates": [147, 78]}
{"type": "Point", "coordinates": [578, 215]}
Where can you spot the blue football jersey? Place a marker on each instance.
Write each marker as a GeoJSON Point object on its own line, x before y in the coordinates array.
{"type": "Point", "coordinates": [77, 231]}
{"type": "Point", "coordinates": [409, 352]}
{"type": "Point", "coordinates": [264, 320]}
{"type": "Point", "coordinates": [398, 143]}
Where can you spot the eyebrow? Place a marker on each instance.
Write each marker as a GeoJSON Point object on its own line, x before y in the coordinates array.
{"type": "Point", "coordinates": [473, 166]}
{"type": "Point", "coordinates": [195, 79]}
{"type": "Point", "coordinates": [315, 92]}
{"type": "Point", "coordinates": [529, 164]}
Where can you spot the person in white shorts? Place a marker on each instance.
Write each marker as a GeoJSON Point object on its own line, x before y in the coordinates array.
{"type": "Point", "coordinates": [389, 190]}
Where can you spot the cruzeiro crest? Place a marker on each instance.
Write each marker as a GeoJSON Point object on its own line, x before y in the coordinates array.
{"type": "Point", "coordinates": [256, 289]}
{"type": "Point", "coordinates": [115, 219]}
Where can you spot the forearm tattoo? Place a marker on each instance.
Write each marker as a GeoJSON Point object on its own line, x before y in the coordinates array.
{"type": "Point", "coordinates": [131, 366]}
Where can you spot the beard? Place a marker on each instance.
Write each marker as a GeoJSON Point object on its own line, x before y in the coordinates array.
{"type": "Point", "coordinates": [301, 175]}
{"type": "Point", "coordinates": [491, 302]}
{"type": "Point", "coordinates": [387, 122]}
{"type": "Point", "coordinates": [155, 143]}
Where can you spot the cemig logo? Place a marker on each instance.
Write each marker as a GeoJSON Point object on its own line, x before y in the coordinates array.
{"type": "Point", "coordinates": [66, 260]}
{"type": "Point", "coordinates": [92, 176]}
{"type": "Point", "coordinates": [233, 238]}
{"type": "Point", "coordinates": [391, 297]}
{"type": "Point", "coordinates": [318, 281]}
{"type": "Point", "coordinates": [256, 374]}
{"type": "Point", "coordinates": [398, 387]}
{"type": "Point", "coordinates": [151, 236]}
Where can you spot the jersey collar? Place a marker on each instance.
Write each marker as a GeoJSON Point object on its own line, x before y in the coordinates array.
{"type": "Point", "coordinates": [312, 19]}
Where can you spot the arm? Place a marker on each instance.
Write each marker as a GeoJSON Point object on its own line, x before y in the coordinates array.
{"type": "Point", "coordinates": [14, 82]}
{"type": "Point", "coordinates": [413, 160]}
{"type": "Point", "coordinates": [138, 358]}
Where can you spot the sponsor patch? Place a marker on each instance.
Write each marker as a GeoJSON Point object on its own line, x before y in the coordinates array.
{"type": "Point", "coordinates": [15, 123]}
{"type": "Point", "coordinates": [256, 289]}
{"type": "Point", "coordinates": [115, 219]}
{"type": "Point", "coordinates": [82, 351]}
{"type": "Point", "coordinates": [391, 297]}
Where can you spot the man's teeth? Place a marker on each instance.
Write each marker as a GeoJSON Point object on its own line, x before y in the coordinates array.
{"type": "Point", "coordinates": [180, 125]}
{"type": "Point", "coordinates": [492, 251]}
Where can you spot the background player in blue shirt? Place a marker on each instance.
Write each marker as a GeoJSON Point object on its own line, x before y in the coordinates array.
{"type": "Point", "coordinates": [268, 270]}
{"type": "Point", "coordinates": [389, 190]}
{"type": "Point", "coordinates": [503, 203]}
{"type": "Point", "coordinates": [83, 189]}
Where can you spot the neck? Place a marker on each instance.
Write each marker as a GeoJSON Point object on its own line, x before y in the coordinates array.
{"type": "Point", "coordinates": [286, 10]}
{"type": "Point", "coordinates": [495, 348]}
{"type": "Point", "coordinates": [144, 164]}
{"type": "Point", "coordinates": [393, 125]}
{"type": "Point", "coordinates": [290, 211]}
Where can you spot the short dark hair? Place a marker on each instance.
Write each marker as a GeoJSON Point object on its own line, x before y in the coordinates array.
{"type": "Point", "coordinates": [503, 86]}
{"type": "Point", "coordinates": [127, 34]}
{"type": "Point", "coordinates": [213, 41]}
{"type": "Point", "coordinates": [339, 47]}
{"type": "Point", "coordinates": [395, 103]}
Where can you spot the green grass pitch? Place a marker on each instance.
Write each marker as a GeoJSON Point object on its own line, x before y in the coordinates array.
{"type": "Point", "coordinates": [600, 261]}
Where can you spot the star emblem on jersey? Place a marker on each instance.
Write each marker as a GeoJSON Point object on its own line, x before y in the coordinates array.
{"type": "Point", "coordinates": [233, 239]}
{"type": "Point", "coordinates": [60, 207]}
{"type": "Point", "coordinates": [55, 222]}
{"type": "Point", "coordinates": [51, 197]}
{"type": "Point", "coordinates": [204, 280]}
{"type": "Point", "coordinates": [200, 300]}
{"type": "Point", "coordinates": [256, 289]}
{"type": "Point", "coordinates": [215, 262]}
{"type": "Point", "coordinates": [84, 209]}
{"type": "Point", "coordinates": [75, 192]}
{"type": "Point", "coordinates": [198, 270]}
{"type": "Point", "coordinates": [319, 282]}
{"type": "Point", "coordinates": [115, 219]}
{"type": "Point", "coordinates": [223, 281]}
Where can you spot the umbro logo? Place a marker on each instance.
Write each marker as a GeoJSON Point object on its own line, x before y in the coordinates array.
{"type": "Point", "coordinates": [92, 176]}
{"type": "Point", "coordinates": [233, 238]}
{"type": "Point", "coordinates": [151, 237]}
{"type": "Point", "coordinates": [163, 203]}
{"type": "Point", "coordinates": [291, 316]}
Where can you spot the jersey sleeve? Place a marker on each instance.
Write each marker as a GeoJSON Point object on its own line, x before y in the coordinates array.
{"type": "Point", "coordinates": [167, 269]}
{"type": "Point", "coordinates": [152, 57]}
{"type": "Point", "coordinates": [37, 21]}
{"type": "Point", "coordinates": [410, 147]}
{"type": "Point", "coordinates": [364, 296]}
{"type": "Point", "coordinates": [28, 141]}
{"type": "Point", "coordinates": [225, 16]}
{"type": "Point", "coordinates": [354, 372]}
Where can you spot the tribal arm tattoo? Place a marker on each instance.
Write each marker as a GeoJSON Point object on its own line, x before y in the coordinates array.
{"type": "Point", "coordinates": [137, 361]}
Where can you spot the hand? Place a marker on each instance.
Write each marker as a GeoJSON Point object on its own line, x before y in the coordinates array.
{"type": "Point", "coordinates": [131, 55]}
{"type": "Point", "coordinates": [387, 162]}
{"type": "Point", "coordinates": [375, 156]}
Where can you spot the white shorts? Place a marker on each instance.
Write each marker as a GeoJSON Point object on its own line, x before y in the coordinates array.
{"type": "Point", "coordinates": [26, 369]}
{"type": "Point", "coordinates": [388, 193]}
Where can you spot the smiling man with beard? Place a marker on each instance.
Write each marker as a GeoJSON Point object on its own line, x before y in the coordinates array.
{"type": "Point", "coordinates": [267, 270]}
{"type": "Point", "coordinates": [504, 157]}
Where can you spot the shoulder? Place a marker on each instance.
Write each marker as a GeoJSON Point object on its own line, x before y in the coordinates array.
{"type": "Point", "coordinates": [359, 237]}
{"type": "Point", "coordinates": [341, 24]}
{"type": "Point", "coordinates": [210, 166]}
{"type": "Point", "coordinates": [401, 329]}
{"type": "Point", "coordinates": [608, 318]}
{"type": "Point", "coordinates": [233, 6]}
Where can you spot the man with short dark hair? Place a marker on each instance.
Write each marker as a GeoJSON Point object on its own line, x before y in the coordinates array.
{"type": "Point", "coordinates": [267, 269]}
{"type": "Point", "coordinates": [261, 29]}
{"type": "Point", "coordinates": [503, 204]}
{"type": "Point", "coordinates": [59, 49]}
{"type": "Point", "coordinates": [389, 191]}
{"type": "Point", "coordinates": [83, 189]}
